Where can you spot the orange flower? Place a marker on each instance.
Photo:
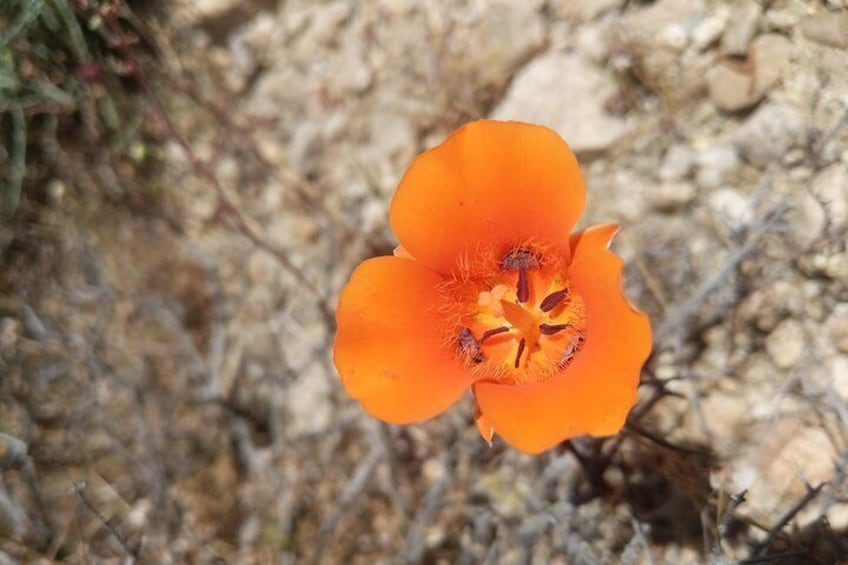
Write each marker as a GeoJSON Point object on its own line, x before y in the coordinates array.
{"type": "Point", "coordinates": [490, 290]}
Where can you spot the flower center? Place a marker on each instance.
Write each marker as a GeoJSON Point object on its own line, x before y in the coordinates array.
{"type": "Point", "coordinates": [522, 323]}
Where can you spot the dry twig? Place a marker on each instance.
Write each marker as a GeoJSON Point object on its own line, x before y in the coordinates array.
{"type": "Point", "coordinates": [132, 553]}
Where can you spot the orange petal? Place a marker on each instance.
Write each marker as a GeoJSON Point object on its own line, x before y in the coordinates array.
{"type": "Point", "coordinates": [487, 432]}
{"type": "Point", "coordinates": [595, 393]}
{"type": "Point", "coordinates": [389, 349]}
{"type": "Point", "coordinates": [489, 183]}
{"type": "Point", "coordinates": [399, 251]}
{"type": "Point", "coordinates": [594, 238]}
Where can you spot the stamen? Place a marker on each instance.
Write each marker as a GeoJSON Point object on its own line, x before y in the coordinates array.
{"type": "Point", "coordinates": [519, 259]}
{"type": "Point", "coordinates": [469, 346]}
{"type": "Point", "coordinates": [550, 302]}
{"type": "Point", "coordinates": [489, 333]}
{"type": "Point", "coordinates": [521, 345]}
{"type": "Point", "coordinates": [523, 291]}
{"type": "Point", "coordinates": [574, 345]}
{"type": "Point", "coordinates": [549, 329]}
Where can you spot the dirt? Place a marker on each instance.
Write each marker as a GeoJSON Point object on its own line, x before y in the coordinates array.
{"type": "Point", "coordinates": [166, 387]}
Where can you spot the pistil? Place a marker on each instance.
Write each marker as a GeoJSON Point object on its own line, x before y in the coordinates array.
{"type": "Point", "coordinates": [539, 337]}
{"type": "Point", "coordinates": [551, 329]}
{"type": "Point", "coordinates": [521, 345]}
{"type": "Point", "coordinates": [522, 293]}
{"type": "Point", "coordinates": [553, 299]}
{"type": "Point", "coordinates": [469, 346]}
{"type": "Point", "coordinates": [489, 333]}
{"type": "Point", "coordinates": [520, 260]}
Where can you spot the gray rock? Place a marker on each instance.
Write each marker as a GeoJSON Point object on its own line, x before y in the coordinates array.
{"type": "Point", "coordinates": [10, 333]}
{"type": "Point", "coordinates": [326, 21]}
{"type": "Point", "coordinates": [839, 370]}
{"type": "Point", "coordinates": [769, 133]}
{"type": "Point", "coordinates": [782, 20]}
{"type": "Point", "coordinates": [393, 135]}
{"type": "Point", "coordinates": [308, 401]}
{"type": "Point", "coordinates": [708, 31]}
{"type": "Point", "coordinates": [708, 179]}
{"type": "Point", "coordinates": [499, 38]}
{"type": "Point", "coordinates": [808, 220]}
{"type": "Point", "coordinates": [830, 187]}
{"type": "Point", "coordinates": [372, 214]}
{"type": "Point", "coordinates": [587, 10]}
{"type": "Point", "coordinates": [392, 148]}
{"type": "Point", "coordinates": [593, 42]}
{"type": "Point", "coordinates": [785, 345]}
{"type": "Point", "coordinates": [771, 55]}
{"type": "Point", "coordinates": [796, 158]}
{"type": "Point", "coordinates": [13, 521]}
{"type": "Point", "coordinates": [352, 74]}
{"type": "Point", "coordinates": [247, 44]}
{"type": "Point", "coordinates": [741, 28]}
{"type": "Point", "coordinates": [275, 88]}
{"type": "Point", "coordinates": [731, 208]}
{"type": "Point", "coordinates": [723, 158]}
{"type": "Point", "coordinates": [827, 28]}
{"type": "Point", "coordinates": [305, 147]}
{"type": "Point", "coordinates": [13, 451]}
{"type": "Point", "coordinates": [567, 93]}
{"type": "Point", "coordinates": [715, 165]}
{"type": "Point", "coordinates": [837, 326]}
{"type": "Point", "coordinates": [218, 16]}
{"type": "Point", "coordinates": [731, 89]}
{"type": "Point", "coordinates": [677, 163]}
{"type": "Point", "coordinates": [629, 190]}
{"type": "Point", "coordinates": [670, 196]}
{"type": "Point", "coordinates": [674, 36]}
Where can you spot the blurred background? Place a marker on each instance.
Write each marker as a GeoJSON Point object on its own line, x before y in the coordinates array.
{"type": "Point", "coordinates": [187, 185]}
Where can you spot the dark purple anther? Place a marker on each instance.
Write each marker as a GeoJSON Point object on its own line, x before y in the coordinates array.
{"type": "Point", "coordinates": [574, 345]}
{"type": "Point", "coordinates": [469, 346]}
{"type": "Point", "coordinates": [550, 302]}
{"type": "Point", "coordinates": [548, 329]}
{"type": "Point", "coordinates": [489, 333]}
{"type": "Point", "coordinates": [522, 293]}
{"type": "Point", "coordinates": [519, 259]}
{"type": "Point", "coordinates": [521, 345]}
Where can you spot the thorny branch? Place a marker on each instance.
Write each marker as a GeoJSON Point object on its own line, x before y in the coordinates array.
{"type": "Point", "coordinates": [809, 496]}
{"type": "Point", "coordinates": [640, 540]}
{"type": "Point", "coordinates": [132, 552]}
{"type": "Point", "coordinates": [726, 517]}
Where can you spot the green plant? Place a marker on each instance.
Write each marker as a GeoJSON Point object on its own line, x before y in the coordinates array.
{"type": "Point", "coordinates": [52, 62]}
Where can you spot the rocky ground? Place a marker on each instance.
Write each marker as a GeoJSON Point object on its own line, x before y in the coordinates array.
{"type": "Point", "coordinates": [165, 327]}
